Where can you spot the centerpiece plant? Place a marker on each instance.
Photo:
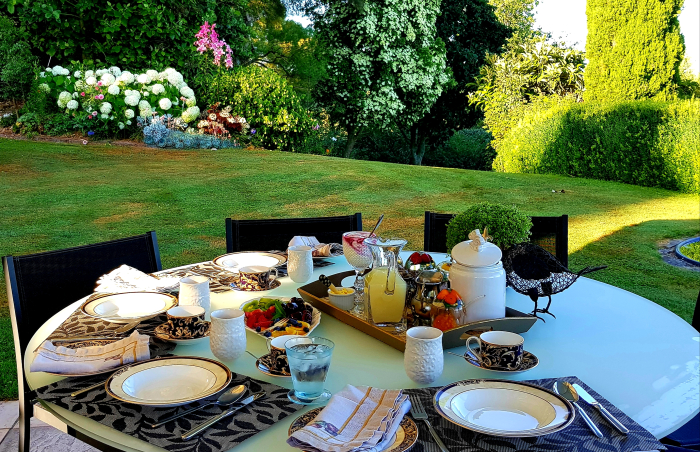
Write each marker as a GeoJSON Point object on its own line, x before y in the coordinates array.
{"type": "Point", "coordinates": [506, 225]}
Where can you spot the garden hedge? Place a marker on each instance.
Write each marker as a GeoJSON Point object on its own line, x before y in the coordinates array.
{"type": "Point", "coordinates": [648, 143]}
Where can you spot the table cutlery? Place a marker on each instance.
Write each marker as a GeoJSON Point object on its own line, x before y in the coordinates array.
{"type": "Point", "coordinates": [376, 226]}
{"type": "Point", "coordinates": [564, 389]}
{"type": "Point", "coordinates": [606, 414]}
{"type": "Point", "coordinates": [199, 429]}
{"type": "Point", "coordinates": [418, 413]}
{"type": "Point", "coordinates": [226, 399]}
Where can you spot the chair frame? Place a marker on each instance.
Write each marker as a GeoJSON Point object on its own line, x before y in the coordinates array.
{"type": "Point", "coordinates": [27, 396]}
{"type": "Point", "coordinates": [560, 224]}
{"type": "Point", "coordinates": [232, 229]}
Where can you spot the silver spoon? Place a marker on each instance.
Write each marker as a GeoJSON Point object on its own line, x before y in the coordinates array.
{"type": "Point", "coordinates": [376, 226]}
{"type": "Point", "coordinates": [227, 398]}
{"type": "Point", "coordinates": [564, 389]}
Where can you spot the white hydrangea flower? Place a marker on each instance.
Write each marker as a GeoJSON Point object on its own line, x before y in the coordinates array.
{"type": "Point", "coordinates": [191, 102]}
{"type": "Point", "coordinates": [77, 74]}
{"type": "Point", "coordinates": [144, 79]}
{"type": "Point", "coordinates": [44, 87]}
{"type": "Point", "coordinates": [106, 108]}
{"type": "Point", "coordinates": [132, 98]}
{"type": "Point", "coordinates": [64, 98]}
{"type": "Point", "coordinates": [163, 76]}
{"type": "Point", "coordinates": [104, 116]}
{"type": "Point", "coordinates": [145, 112]}
{"type": "Point", "coordinates": [58, 70]}
{"type": "Point", "coordinates": [158, 89]}
{"type": "Point", "coordinates": [42, 74]}
{"type": "Point", "coordinates": [144, 104]}
{"type": "Point", "coordinates": [113, 89]}
{"type": "Point", "coordinates": [72, 105]}
{"type": "Point", "coordinates": [181, 85]}
{"type": "Point", "coordinates": [100, 72]}
{"type": "Point", "coordinates": [115, 71]}
{"type": "Point", "coordinates": [89, 74]}
{"type": "Point", "coordinates": [165, 103]}
{"type": "Point", "coordinates": [169, 70]}
{"type": "Point", "coordinates": [175, 78]}
{"type": "Point", "coordinates": [128, 123]}
{"type": "Point", "coordinates": [187, 91]}
{"type": "Point", "coordinates": [107, 79]}
{"type": "Point", "coordinates": [91, 81]}
{"type": "Point", "coordinates": [190, 114]}
{"type": "Point", "coordinates": [129, 113]}
{"type": "Point", "coordinates": [121, 125]}
{"type": "Point", "coordinates": [127, 78]}
{"type": "Point", "coordinates": [48, 69]}
{"type": "Point", "coordinates": [75, 95]}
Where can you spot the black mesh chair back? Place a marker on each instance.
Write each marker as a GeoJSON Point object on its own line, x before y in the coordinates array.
{"type": "Point", "coordinates": [275, 234]}
{"type": "Point", "coordinates": [696, 315]}
{"type": "Point", "coordinates": [551, 233]}
{"type": "Point", "coordinates": [40, 285]}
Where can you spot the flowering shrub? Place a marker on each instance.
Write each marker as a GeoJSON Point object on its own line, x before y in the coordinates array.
{"type": "Point", "coordinates": [115, 96]}
{"type": "Point", "coordinates": [167, 132]}
{"type": "Point", "coordinates": [208, 39]}
{"type": "Point", "coordinates": [220, 122]}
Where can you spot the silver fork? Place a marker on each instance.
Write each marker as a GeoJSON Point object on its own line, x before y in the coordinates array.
{"type": "Point", "coordinates": [418, 413]}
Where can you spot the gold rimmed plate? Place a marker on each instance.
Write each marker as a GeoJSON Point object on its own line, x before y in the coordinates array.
{"type": "Point", "coordinates": [233, 261]}
{"type": "Point", "coordinates": [128, 306]}
{"type": "Point", "coordinates": [167, 382]}
{"type": "Point", "coordinates": [406, 435]}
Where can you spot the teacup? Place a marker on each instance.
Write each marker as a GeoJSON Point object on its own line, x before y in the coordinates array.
{"type": "Point", "coordinates": [276, 360]}
{"type": "Point", "coordinates": [187, 322]}
{"type": "Point", "coordinates": [256, 277]}
{"type": "Point", "coordinates": [500, 350]}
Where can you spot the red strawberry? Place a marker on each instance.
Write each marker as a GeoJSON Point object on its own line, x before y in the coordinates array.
{"type": "Point", "coordinates": [426, 259]}
{"type": "Point", "coordinates": [415, 258]}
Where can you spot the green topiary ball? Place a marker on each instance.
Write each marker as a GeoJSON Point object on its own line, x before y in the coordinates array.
{"type": "Point", "coordinates": [506, 224]}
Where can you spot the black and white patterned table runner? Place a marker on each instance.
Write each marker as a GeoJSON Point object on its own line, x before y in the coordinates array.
{"type": "Point", "coordinates": [135, 420]}
{"type": "Point", "coordinates": [575, 438]}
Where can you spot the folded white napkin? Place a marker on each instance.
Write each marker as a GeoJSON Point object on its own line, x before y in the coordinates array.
{"type": "Point", "coordinates": [129, 279]}
{"type": "Point", "coordinates": [356, 419]}
{"type": "Point", "coordinates": [318, 249]}
{"type": "Point", "coordinates": [62, 360]}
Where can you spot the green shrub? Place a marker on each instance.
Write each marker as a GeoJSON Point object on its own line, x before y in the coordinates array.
{"type": "Point", "coordinates": [648, 143]}
{"type": "Point", "coordinates": [383, 146]}
{"type": "Point", "coordinates": [268, 103]}
{"type": "Point", "coordinates": [468, 148]}
{"type": "Point", "coordinates": [691, 250]}
{"type": "Point", "coordinates": [17, 64]}
{"type": "Point", "coordinates": [506, 224]}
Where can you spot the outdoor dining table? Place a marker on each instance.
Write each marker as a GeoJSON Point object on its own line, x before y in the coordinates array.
{"type": "Point", "coordinates": [641, 357]}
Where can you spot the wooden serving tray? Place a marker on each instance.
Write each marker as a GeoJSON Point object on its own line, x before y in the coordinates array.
{"type": "Point", "coordinates": [316, 294]}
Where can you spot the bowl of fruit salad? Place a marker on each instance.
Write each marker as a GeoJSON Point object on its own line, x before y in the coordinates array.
{"type": "Point", "coordinates": [280, 316]}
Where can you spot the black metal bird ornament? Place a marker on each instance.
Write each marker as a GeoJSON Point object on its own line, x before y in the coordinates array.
{"type": "Point", "coordinates": [531, 270]}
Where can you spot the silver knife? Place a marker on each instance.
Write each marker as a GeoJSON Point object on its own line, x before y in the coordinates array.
{"type": "Point", "coordinates": [199, 429]}
{"type": "Point", "coordinates": [605, 413]}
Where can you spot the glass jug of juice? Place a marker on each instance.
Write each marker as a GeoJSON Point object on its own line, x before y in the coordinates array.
{"type": "Point", "coordinates": [385, 289]}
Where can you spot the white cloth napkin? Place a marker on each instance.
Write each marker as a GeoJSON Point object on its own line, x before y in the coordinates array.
{"type": "Point", "coordinates": [129, 279]}
{"type": "Point", "coordinates": [318, 249]}
{"type": "Point", "coordinates": [358, 418]}
{"type": "Point", "coordinates": [62, 360]}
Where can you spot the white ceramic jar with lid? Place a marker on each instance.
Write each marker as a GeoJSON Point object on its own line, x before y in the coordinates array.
{"type": "Point", "coordinates": [477, 275]}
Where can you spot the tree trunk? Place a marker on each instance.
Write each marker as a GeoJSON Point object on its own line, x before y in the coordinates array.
{"type": "Point", "coordinates": [417, 144]}
{"type": "Point", "coordinates": [353, 133]}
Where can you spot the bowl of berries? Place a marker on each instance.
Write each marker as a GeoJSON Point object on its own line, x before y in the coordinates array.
{"type": "Point", "coordinates": [273, 317]}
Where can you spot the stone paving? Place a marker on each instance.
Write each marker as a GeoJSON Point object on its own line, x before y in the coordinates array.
{"type": "Point", "coordinates": [44, 438]}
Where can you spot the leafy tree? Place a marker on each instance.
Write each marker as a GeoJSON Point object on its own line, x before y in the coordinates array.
{"type": "Point", "coordinates": [384, 62]}
{"type": "Point", "coordinates": [519, 15]}
{"type": "Point", "coordinates": [634, 49]}
{"type": "Point", "coordinates": [471, 31]}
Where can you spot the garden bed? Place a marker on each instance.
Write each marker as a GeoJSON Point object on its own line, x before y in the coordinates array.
{"type": "Point", "coordinates": [689, 250]}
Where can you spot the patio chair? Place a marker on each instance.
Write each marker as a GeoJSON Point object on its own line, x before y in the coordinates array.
{"type": "Point", "coordinates": [275, 234]}
{"type": "Point", "coordinates": [551, 233]}
{"type": "Point", "coordinates": [40, 285]}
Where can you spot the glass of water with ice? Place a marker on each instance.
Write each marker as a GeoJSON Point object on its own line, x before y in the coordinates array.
{"type": "Point", "coordinates": [309, 359]}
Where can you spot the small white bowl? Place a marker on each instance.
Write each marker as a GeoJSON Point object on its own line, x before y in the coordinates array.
{"type": "Point", "coordinates": [345, 301]}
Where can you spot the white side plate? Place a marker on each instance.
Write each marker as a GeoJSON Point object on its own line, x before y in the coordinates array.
{"type": "Point", "coordinates": [233, 261]}
{"type": "Point", "coordinates": [129, 306]}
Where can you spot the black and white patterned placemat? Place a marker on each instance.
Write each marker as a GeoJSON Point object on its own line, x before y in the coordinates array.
{"type": "Point", "coordinates": [577, 437]}
{"type": "Point", "coordinates": [135, 420]}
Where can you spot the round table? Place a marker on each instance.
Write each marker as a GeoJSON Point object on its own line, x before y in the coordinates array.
{"type": "Point", "coordinates": [638, 355]}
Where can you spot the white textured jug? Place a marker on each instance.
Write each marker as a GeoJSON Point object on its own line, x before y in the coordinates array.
{"type": "Point", "coordinates": [478, 276]}
{"type": "Point", "coordinates": [423, 358]}
{"type": "Point", "coordinates": [301, 264]}
{"type": "Point", "coordinates": [194, 291]}
{"type": "Point", "coordinates": [227, 337]}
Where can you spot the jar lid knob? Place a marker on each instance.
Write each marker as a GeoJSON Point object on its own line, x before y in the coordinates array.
{"type": "Point", "coordinates": [479, 241]}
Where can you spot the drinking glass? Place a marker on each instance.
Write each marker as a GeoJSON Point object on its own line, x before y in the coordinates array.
{"type": "Point", "coordinates": [359, 257]}
{"type": "Point", "coordinates": [309, 360]}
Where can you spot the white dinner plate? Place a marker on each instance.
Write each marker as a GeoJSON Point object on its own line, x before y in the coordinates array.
{"type": "Point", "coordinates": [503, 408]}
{"type": "Point", "coordinates": [315, 316]}
{"type": "Point", "coordinates": [166, 382]}
{"type": "Point", "coordinates": [233, 261]}
{"type": "Point", "coordinates": [129, 306]}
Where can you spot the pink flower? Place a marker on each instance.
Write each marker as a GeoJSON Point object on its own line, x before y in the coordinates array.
{"type": "Point", "coordinates": [82, 94]}
{"type": "Point", "coordinates": [101, 96]}
{"type": "Point", "coordinates": [94, 113]}
{"type": "Point", "coordinates": [99, 83]}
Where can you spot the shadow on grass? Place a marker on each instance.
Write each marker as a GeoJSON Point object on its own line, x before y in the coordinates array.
{"type": "Point", "coordinates": [635, 264]}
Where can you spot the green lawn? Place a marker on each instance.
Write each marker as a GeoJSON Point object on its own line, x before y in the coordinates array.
{"type": "Point", "coordinates": [56, 196]}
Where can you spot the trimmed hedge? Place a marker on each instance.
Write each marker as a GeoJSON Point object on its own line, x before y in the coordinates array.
{"type": "Point", "coordinates": [647, 143]}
